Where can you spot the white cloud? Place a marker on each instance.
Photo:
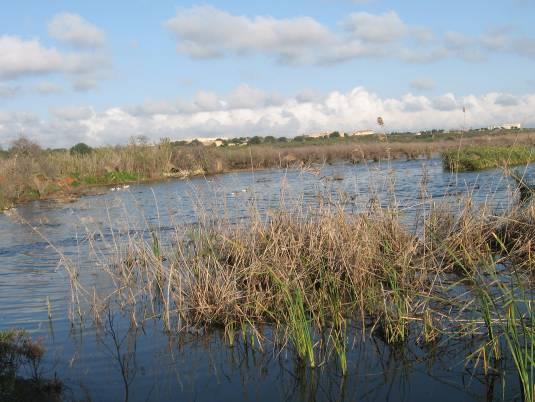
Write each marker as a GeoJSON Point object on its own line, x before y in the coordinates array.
{"type": "Point", "coordinates": [27, 57]}
{"type": "Point", "coordinates": [245, 96]}
{"type": "Point", "coordinates": [76, 31]}
{"type": "Point", "coordinates": [446, 103]}
{"type": "Point", "coordinates": [422, 34]}
{"type": "Point", "coordinates": [413, 103]}
{"type": "Point", "coordinates": [215, 116]}
{"type": "Point", "coordinates": [506, 100]}
{"type": "Point", "coordinates": [208, 101]}
{"type": "Point", "coordinates": [372, 28]}
{"type": "Point", "coordinates": [496, 39]}
{"type": "Point", "coordinates": [422, 56]}
{"type": "Point", "coordinates": [22, 58]}
{"type": "Point", "coordinates": [207, 32]}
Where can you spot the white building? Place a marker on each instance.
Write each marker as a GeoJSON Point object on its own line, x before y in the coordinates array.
{"type": "Point", "coordinates": [361, 132]}
{"type": "Point", "coordinates": [317, 135]}
{"type": "Point", "coordinates": [508, 126]}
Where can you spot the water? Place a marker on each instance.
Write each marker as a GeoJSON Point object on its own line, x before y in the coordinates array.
{"type": "Point", "coordinates": [114, 361]}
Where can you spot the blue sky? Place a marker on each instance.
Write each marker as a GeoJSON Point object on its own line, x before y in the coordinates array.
{"type": "Point", "coordinates": [103, 71]}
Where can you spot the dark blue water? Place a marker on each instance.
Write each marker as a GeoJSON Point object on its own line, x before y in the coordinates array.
{"type": "Point", "coordinates": [112, 359]}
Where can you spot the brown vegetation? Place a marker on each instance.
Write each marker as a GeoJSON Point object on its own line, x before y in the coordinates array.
{"type": "Point", "coordinates": [31, 173]}
{"type": "Point", "coordinates": [313, 274]}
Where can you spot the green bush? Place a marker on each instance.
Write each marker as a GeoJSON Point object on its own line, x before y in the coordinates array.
{"type": "Point", "coordinates": [81, 149]}
{"type": "Point", "coordinates": [471, 159]}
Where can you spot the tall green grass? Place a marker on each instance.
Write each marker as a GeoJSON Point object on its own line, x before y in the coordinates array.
{"type": "Point", "coordinates": [479, 158]}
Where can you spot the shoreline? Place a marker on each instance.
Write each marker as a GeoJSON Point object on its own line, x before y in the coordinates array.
{"type": "Point", "coordinates": [84, 190]}
{"type": "Point", "coordinates": [51, 175]}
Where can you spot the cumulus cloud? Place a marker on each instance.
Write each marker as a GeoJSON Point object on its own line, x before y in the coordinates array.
{"type": "Point", "coordinates": [218, 117]}
{"type": "Point", "coordinates": [23, 58]}
{"type": "Point", "coordinates": [446, 103]}
{"type": "Point", "coordinates": [506, 100]}
{"type": "Point", "coordinates": [206, 32]}
{"type": "Point", "coordinates": [76, 31]}
{"type": "Point", "coordinates": [26, 57]}
{"type": "Point", "coordinates": [411, 103]}
{"type": "Point", "coordinates": [372, 28]}
{"type": "Point", "coordinates": [245, 96]}
{"type": "Point", "coordinates": [83, 65]}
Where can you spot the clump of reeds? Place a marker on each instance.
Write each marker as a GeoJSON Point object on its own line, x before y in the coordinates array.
{"type": "Point", "coordinates": [315, 273]}
{"type": "Point", "coordinates": [479, 158]}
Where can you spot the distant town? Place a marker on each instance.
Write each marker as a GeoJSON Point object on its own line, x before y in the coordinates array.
{"type": "Point", "coordinates": [243, 141]}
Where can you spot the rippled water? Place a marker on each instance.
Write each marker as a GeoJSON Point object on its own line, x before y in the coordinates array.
{"type": "Point", "coordinates": [112, 361]}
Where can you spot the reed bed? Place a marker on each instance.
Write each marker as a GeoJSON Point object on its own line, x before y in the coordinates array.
{"type": "Point", "coordinates": [479, 158]}
{"type": "Point", "coordinates": [314, 275]}
{"type": "Point", "coordinates": [36, 174]}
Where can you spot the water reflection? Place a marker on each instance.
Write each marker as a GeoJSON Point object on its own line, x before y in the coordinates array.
{"type": "Point", "coordinates": [108, 358]}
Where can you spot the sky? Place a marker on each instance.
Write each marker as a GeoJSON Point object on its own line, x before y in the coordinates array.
{"type": "Point", "coordinates": [102, 72]}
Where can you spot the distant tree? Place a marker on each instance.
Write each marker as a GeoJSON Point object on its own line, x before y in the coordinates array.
{"type": "Point", "coordinates": [81, 149]}
{"type": "Point", "coordinates": [195, 142]}
{"type": "Point", "coordinates": [138, 140]}
{"type": "Point", "coordinates": [255, 140]}
{"type": "Point", "coordinates": [282, 139]}
{"type": "Point", "coordinates": [24, 147]}
{"type": "Point", "coordinates": [334, 134]}
{"type": "Point", "coordinates": [299, 138]}
{"type": "Point", "coordinates": [269, 139]}
{"type": "Point", "coordinates": [142, 140]}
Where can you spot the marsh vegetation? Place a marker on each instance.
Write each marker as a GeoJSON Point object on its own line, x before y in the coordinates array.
{"type": "Point", "coordinates": [486, 157]}
{"type": "Point", "coordinates": [308, 279]}
{"type": "Point", "coordinates": [28, 172]}
{"type": "Point", "coordinates": [319, 277]}
{"type": "Point", "coordinates": [21, 377]}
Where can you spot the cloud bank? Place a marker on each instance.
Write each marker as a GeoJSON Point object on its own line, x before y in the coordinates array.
{"type": "Point", "coordinates": [248, 111]}
{"type": "Point", "coordinates": [206, 32]}
{"type": "Point", "coordinates": [84, 64]}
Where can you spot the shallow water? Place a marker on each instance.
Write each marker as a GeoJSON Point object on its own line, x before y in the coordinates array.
{"type": "Point", "coordinates": [113, 361]}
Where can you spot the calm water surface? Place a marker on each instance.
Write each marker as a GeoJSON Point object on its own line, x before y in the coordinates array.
{"type": "Point", "coordinates": [115, 361]}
